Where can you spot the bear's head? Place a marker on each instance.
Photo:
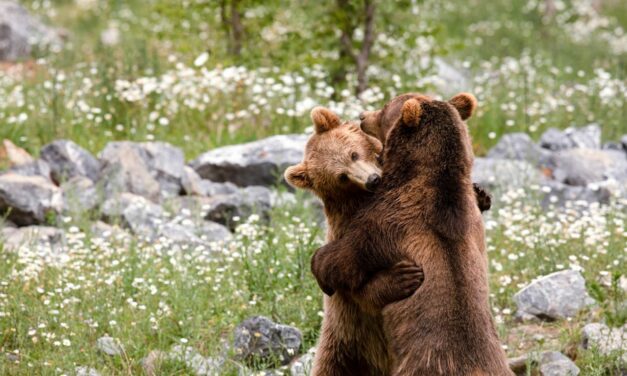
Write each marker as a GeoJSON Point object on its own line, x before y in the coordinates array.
{"type": "Point", "coordinates": [340, 159]}
{"type": "Point", "coordinates": [426, 134]}
{"type": "Point", "coordinates": [378, 123]}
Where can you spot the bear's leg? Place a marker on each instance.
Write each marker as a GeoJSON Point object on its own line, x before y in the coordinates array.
{"type": "Point", "coordinates": [351, 343]}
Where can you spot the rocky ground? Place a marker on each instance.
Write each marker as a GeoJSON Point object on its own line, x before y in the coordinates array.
{"type": "Point", "coordinates": [147, 192]}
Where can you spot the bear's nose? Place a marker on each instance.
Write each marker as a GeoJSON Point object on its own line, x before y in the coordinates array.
{"type": "Point", "coordinates": [362, 116]}
{"type": "Point", "coordinates": [373, 181]}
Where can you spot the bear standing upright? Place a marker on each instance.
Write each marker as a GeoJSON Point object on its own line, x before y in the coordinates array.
{"type": "Point", "coordinates": [425, 210]}
{"type": "Point", "coordinates": [341, 167]}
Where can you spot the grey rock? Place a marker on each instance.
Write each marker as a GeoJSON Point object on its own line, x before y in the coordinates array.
{"type": "Point", "coordinates": [518, 146]}
{"type": "Point", "coordinates": [79, 195]}
{"type": "Point", "coordinates": [451, 80]}
{"type": "Point", "coordinates": [605, 339]}
{"type": "Point", "coordinates": [585, 166]}
{"type": "Point", "coordinates": [554, 363]}
{"type": "Point", "coordinates": [611, 145]}
{"type": "Point", "coordinates": [555, 296]}
{"type": "Point", "coordinates": [37, 167]}
{"type": "Point", "coordinates": [209, 188]}
{"type": "Point", "coordinates": [260, 162]}
{"type": "Point", "coordinates": [259, 339]}
{"type": "Point", "coordinates": [623, 141]}
{"type": "Point", "coordinates": [19, 32]}
{"type": "Point", "coordinates": [302, 365]}
{"type": "Point", "coordinates": [86, 371]}
{"type": "Point", "coordinates": [499, 175]}
{"type": "Point", "coordinates": [28, 200]}
{"type": "Point", "coordinates": [68, 160]}
{"type": "Point", "coordinates": [519, 364]}
{"type": "Point", "coordinates": [167, 165]}
{"type": "Point", "coordinates": [585, 137]}
{"type": "Point", "coordinates": [12, 357]}
{"type": "Point", "coordinates": [13, 155]}
{"type": "Point", "coordinates": [202, 366]}
{"type": "Point", "coordinates": [28, 236]}
{"type": "Point", "coordinates": [106, 231]}
{"type": "Point", "coordinates": [125, 170]}
{"type": "Point", "coordinates": [247, 201]}
{"type": "Point", "coordinates": [152, 362]}
{"type": "Point", "coordinates": [109, 346]}
{"type": "Point", "coordinates": [558, 194]}
{"type": "Point", "coordinates": [192, 234]}
{"type": "Point", "coordinates": [191, 182]}
{"type": "Point", "coordinates": [134, 212]}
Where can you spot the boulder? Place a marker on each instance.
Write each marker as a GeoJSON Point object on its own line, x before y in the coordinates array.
{"type": "Point", "coordinates": [302, 365]}
{"type": "Point", "coordinates": [45, 236]}
{"type": "Point", "coordinates": [166, 164]}
{"type": "Point", "coordinates": [28, 200]}
{"type": "Point", "coordinates": [125, 170]}
{"type": "Point", "coordinates": [555, 296]}
{"type": "Point", "coordinates": [11, 155]}
{"type": "Point", "coordinates": [67, 160]}
{"type": "Point", "coordinates": [86, 371]}
{"type": "Point", "coordinates": [19, 32]}
{"type": "Point", "coordinates": [134, 212]}
{"type": "Point", "coordinates": [37, 167]}
{"type": "Point", "coordinates": [106, 231]}
{"type": "Point", "coordinates": [623, 141]}
{"type": "Point", "coordinates": [260, 340]}
{"type": "Point", "coordinates": [79, 195]}
{"type": "Point", "coordinates": [554, 363]}
{"type": "Point", "coordinates": [209, 188]}
{"type": "Point", "coordinates": [202, 366]}
{"type": "Point", "coordinates": [585, 137]}
{"type": "Point", "coordinates": [110, 346]}
{"type": "Point", "coordinates": [226, 208]}
{"type": "Point", "coordinates": [260, 162]}
{"type": "Point", "coordinates": [605, 339]}
{"type": "Point", "coordinates": [518, 146]}
{"type": "Point", "coordinates": [558, 194]}
{"type": "Point", "coordinates": [581, 167]}
{"type": "Point", "coordinates": [500, 175]}
{"type": "Point", "coordinates": [191, 182]}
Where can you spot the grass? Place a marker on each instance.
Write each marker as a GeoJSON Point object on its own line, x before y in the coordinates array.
{"type": "Point", "coordinates": [151, 298]}
{"type": "Point", "coordinates": [529, 71]}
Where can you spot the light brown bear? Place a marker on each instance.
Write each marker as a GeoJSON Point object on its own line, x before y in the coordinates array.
{"type": "Point", "coordinates": [425, 210]}
{"type": "Point", "coordinates": [341, 167]}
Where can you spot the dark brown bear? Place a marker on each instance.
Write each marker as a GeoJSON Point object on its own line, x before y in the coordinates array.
{"type": "Point", "coordinates": [425, 210]}
{"type": "Point", "coordinates": [378, 123]}
{"type": "Point", "coordinates": [341, 166]}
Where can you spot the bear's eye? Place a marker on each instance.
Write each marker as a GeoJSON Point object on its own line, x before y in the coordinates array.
{"type": "Point", "coordinates": [343, 178]}
{"type": "Point", "coordinates": [354, 156]}
{"type": "Point", "coordinates": [380, 160]}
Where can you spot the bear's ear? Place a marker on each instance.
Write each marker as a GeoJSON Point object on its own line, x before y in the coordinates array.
{"type": "Point", "coordinates": [411, 112]}
{"type": "Point", "coordinates": [465, 104]}
{"type": "Point", "coordinates": [297, 176]}
{"type": "Point", "coordinates": [324, 119]}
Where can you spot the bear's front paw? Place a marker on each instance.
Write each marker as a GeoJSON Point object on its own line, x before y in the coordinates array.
{"type": "Point", "coordinates": [484, 199]}
{"type": "Point", "coordinates": [320, 270]}
{"type": "Point", "coordinates": [404, 279]}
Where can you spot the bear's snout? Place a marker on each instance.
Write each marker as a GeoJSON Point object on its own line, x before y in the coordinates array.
{"type": "Point", "coordinates": [373, 181]}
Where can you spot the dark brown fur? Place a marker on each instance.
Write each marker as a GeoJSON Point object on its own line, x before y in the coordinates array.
{"type": "Point", "coordinates": [378, 124]}
{"type": "Point", "coordinates": [426, 211]}
{"type": "Point", "coordinates": [352, 340]}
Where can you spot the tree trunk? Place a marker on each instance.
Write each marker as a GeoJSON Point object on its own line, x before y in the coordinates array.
{"type": "Point", "coordinates": [362, 58]}
{"type": "Point", "coordinates": [237, 29]}
{"type": "Point", "coordinates": [231, 19]}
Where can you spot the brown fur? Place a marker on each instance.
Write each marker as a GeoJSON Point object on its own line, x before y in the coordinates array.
{"type": "Point", "coordinates": [338, 160]}
{"type": "Point", "coordinates": [425, 210]}
{"type": "Point", "coordinates": [378, 123]}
